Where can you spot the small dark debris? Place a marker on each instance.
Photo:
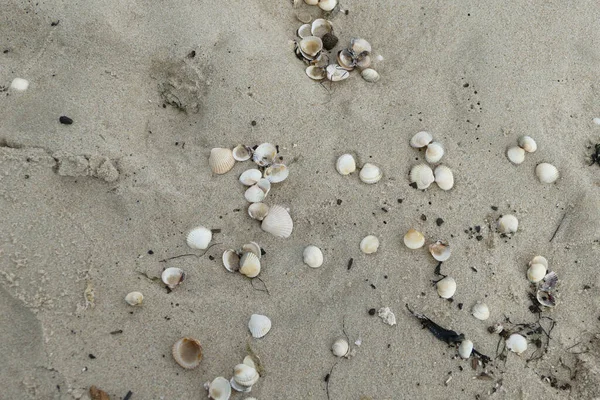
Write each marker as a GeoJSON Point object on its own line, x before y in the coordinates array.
{"type": "Point", "coordinates": [262, 251]}
{"type": "Point", "coordinates": [372, 311]}
{"type": "Point", "coordinates": [460, 368]}
{"type": "Point", "coordinates": [128, 395]}
{"type": "Point", "coordinates": [237, 210]}
{"type": "Point", "coordinates": [65, 120]}
{"type": "Point", "coordinates": [495, 208]}
{"type": "Point", "coordinates": [413, 185]}
{"type": "Point", "coordinates": [400, 201]}
{"type": "Point", "coordinates": [277, 148]}
{"type": "Point", "coordinates": [465, 85]}
{"type": "Point", "coordinates": [350, 262]}
{"type": "Point", "coordinates": [460, 306]}
{"type": "Point", "coordinates": [384, 209]}
{"type": "Point", "coordinates": [595, 157]}
{"type": "Point", "coordinates": [474, 269]}
{"type": "Point", "coordinates": [385, 277]}
{"type": "Point", "coordinates": [586, 287]}
{"type": "Point", "coordinates": [477, 228]}
{"type": "Point", "coordinates": [254, 147]}
{"type": "Point", "coordinates": [479, 238]}
{"type": "Point", "coordinates": [373, 286]}
{"type": "Point", "coordinates": [150, 252]}
{"type": "Point", "coordinates": [91, 356]}
{"type": "Point", "coordinates": [339, 202]}
{"type": "Point", "coordinates": [54, 23]}
{"type": "Point", "coordinates": [118, 331]}
{"type": "Point", "coordinates": [215, 231]}
{"type": "Point", "coordinates": [253, 123]}
{"type": "Point", "coordinates": [439, 222]}
{"type": "Point", "coordinates": [423, 217]}
{"type": "Point", "coordinates": [211, 258]}
{"type": "Point", "coordinates": [326, 379]}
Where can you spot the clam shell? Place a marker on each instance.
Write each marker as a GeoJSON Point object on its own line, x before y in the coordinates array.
{"type": "Point", "coordinates": [340, 348]}
{"type": "Point", "coordinates": [250, 265]}
{"type": "Point", "coordinates": [252, 247]}
{"type": "Point", "coordinates": [465, 349]}
{"type": "Point", "coordinates": [434, 152]}
{"type": "Point", "coordinates": [241, 153]}
{"type": "Point", "coordinates": [264, 154]}
{"type": "Point", "coordinates": [304, 31]}
{"type": "Point", "coordinates": [239, 388]}
{"type": "Point", "coordinates": [508, 224]}
{"type": "Point", "coordinates": [249, 362]}
{"type": "Point", "coordinates": [187, 352]}
{"type": "Point", "coordinates": [370, 173]}
{"type": "Point", "coordinates": [527, 143]}
{"type": "Point", "coordinates": [219, 389]}
{"type": "Point", "coordinates": [315, 72]}
{"type": "Point", "coordinates": [440, 250]}
{"type": "Point", "coordinates": [245, 375]}
{"type": "Point", "coordinates": [312, 256]}
{"type": "Point", "coordinates": [536, 273]}
{"type": "Point", "coordinates": [345, 164]}
{"type": "Point", "coordinates": [546, 173]}
{"type": "Point", "coordinates": [259, 325]}
{"type": "Point", "coordinates": [516, 343]}
{"type": "Point", "coordinates": [250, 177]}
{"type": "Point", "coordinates": [550, 281]}
{"type": "Point", "coordinates": [254, 194]}
{"type": "Point", "coordinates": [172, 277]}
{"type": "Point", "coordinates": [311, 46]}
{"type": "Point", "coordinates": [311, 2]}
{"type": "Point", "coordinates": [359, 46]}
{"type": "Point", "coordinates": [422, 176]}
{"type": "Point", "coordinates": [19, 84]}
{"type": "Point", "coordinates": [546, 298]}
{"type": "Point", "coordinates": [336, 73]}
{"type": "Point", "coordinates": [199, 238]}
{"type": "Point", "coordinates": [481, 311]}
{"type": "Point", "coordinates": [345, 59]}
{"type": "Point", "coordinates": [327, 5]}
{"type": "Point", "coordinates": [258, 211]}
{"type": "Point", "coordinates": [539, 260]}
{"type": "Point", "coordinates": [363, 62]}
{"type": "Point", "coordinates": [134, 298]}
{"type": "Point", "coordinates": [369, 244]}
{"type": "Point", "coordinates": [231, 260]}
{"type": "Point", "coordinates": [444, 177]}
{"type": "Point", "coordinates": [421, 139]}
{"type": "Point", "coordinates": [515, 154]}
{"type": "Point", "coordinates": [446, 287]}
{"type": "Point", "coordinates": [277, 173]}
{"type": "Point", "coordinates": [320, 27]}
{"type": "Point", "coordinates": [221, 160]}
{"type": "Point", "coordinates": [369, 74]}
{"type": "Point", "coordinates": [278, 222]}
{"type": "Point", "coordinates": [414, 239]}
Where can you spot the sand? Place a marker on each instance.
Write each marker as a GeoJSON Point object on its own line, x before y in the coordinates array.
{"type": "Point", "coordinates": [153, 86]}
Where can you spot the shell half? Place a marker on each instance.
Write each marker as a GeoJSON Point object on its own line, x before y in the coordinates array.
{"type": "Point", "coordinates": [368, 74]}
{"type": "Point", "coordinates": [414, 239]}
{"type": "Point", "coordinates": [546, 173]}
{"type": "Point", "coordinates": [446, 287]}
{"type": "Point", "coordinates": [369, 244]}
{"type": "Point", "coordinates": [515, 155]}
{"type": "Point", "coordinates": [516, 343]}
{"type": "Point", "coordinates": [241, 153]}
{"type": "Point", "coordinates": [199, 238]}
{"type": "Point", "coordinates": [370, 173]}
{"type": "Point", "coordinates": [231, 260]}
{"type": "Point", "coordinates": [527, 143]}
{"type": "Point", "coordinates": [277, 173]}
{"type": "Point", "coordinates": [219, 389]}
{"type": "Point", "coordinates": [252, 247]}
{"type": "Point", "coordinates": [536, 273]}
{"type": "Point", "coordinates": [250, 265]}
{"type": "Point", "coordinates": [481, 311]}
{"type": "Point", "coordinates": [312, 256]}
{"type": "Point", "coordinates": [336, 73]}
{"type": "Point", "coordinates": [465, 349]}
{"type": "Point", "coordinates": [320, 27]}
{"type": "Point", "coordinates": [250, 177]}
{"type": "Point", "coordinates": [315, 72]}
{"type": "Point", "coordinates": [340, 348]}
{"type": "Point", "coordinates": [221, 160]}
{"type": "Point", "coordinates": [444, 177]}
{"type": "Point", "coordinates": [259, 325]}
{"type": "Point", "coordinates": [440, 250]}
{"type": "Point", "coordinates": [434, 152]}
{"type": "Point", "coordinates": [345, 164]}
{"type": "Point", "coordinates": [264, 154]}
{"type": "Point", "coordinates": [134, 298]}
{"type": "Point", "coordinates": [508, 224]}
{"type": "Point", "coordinates": [245, 375]}
{"type": "Point", "coordinates": [258, 211]}
{"type": "Point", "coordinates": [278, 222]}
{"type": "Point", "coordinates": [187, 352]}
{"type": "Point", "coordinates": [422, 176]}
{"type": "Point", "coordinates": [421, 139]}
{"type": "Point", "coordinates": [172, 277]}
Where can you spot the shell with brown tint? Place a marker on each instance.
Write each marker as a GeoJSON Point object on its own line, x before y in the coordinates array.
{"type": "Point", "coordinates": [187, 352]}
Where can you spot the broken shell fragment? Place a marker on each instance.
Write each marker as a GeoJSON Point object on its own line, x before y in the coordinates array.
{"type": "Point", "coordinates": [245, 375]}
{"type": "Point", "coordinates": [481, 311]}
{"type": "Point", "coordinates": [278, 222]}
{"type": "Point", "coordinates": [527, 143]}
{"type": "Point", "coordinates": [199, 238]}
{"type": "Point", "coordinates": [19, 84]}
{"type": "Point", "coordinates": [422, 176]}
{"type": "Point", "coordinates": [336, 73]}
{"type": "Point", "coordinates": [252, 247]}
{"type": "Point", "coordinates": [327, 5]}
{"type": "Point", "coordinates": [250, 177]}
{"type": "Point", "coordinates": [359, 46]}
{"type": "Point", "coordinates": [231, 260]}
{"type": "Point", "coordinates": [264, 154]}
{"type": "Point", "coordinates": [421, 139]}
{"type": "Point", "coordinates": [340, 348]}
{"type": "Point", "coordinates": [368, 74]}
{"type": "Point", "coordinates": [549, 282]}
{"type": "Point", "coordinates": [218, 389]}
{"type": "Point", "coordinates": [221, 160]}
{"type": "Point", "coordinates": [259, 325]}
{"type": "Point", "coordinates": [434, 152]}
{"type": "Point", "coordinates": [172, 277]}
{"type": "Point", "coordinates": [515, 154]}
{"type": "Point", "coordinates": [312, 256]}
{"type": "Point", "coordinates": [387, 316]}
{"type": "Point", "coordinates": [444, 177]}
{"type": "Point", "coordinates": [241, 152]}
{"type": "Point", "coordinates": [134, 298]}
{"type": "Point", "coordinates": [258, 211]}
{"type": "Point", "coordinates": [370, 173]}
{"type": "Point", "coordinates": [546, 298]}
{"type": "Point", "coordinates": [277, 173]}
{"type": "Point", "coordinates": [304, 31]}
{"type": "Point", "coordinates": [465, 349]}
{"type": "Point", "coordinates": [546, 173]}
{"type": "Point", "coordinates": [320, 27]}
{"type": "Point", "coordinates": [303, 16]}
{"type": "Point", "coordinates": [311, 47]}
{"type": "Point", "coordinates": [345, 164]}
{"type": "Point", "coordinates": [315, 72]}
{"type": "Point", "coordinates": [369, 244]}
{"type": "Point", "coordinates": [250, 265]}
{"type": "Point", "coordinates": [516, 343]}
{"type": "Point", "coordinates": [440, 250]}
{"type": "Point", "coordinates": [446, 287]}
{"type": "Point", "coordinates": [187, 352]}
{"type": "Point", "coordinates": [508, 224]}
{"type": "Point", "coordinates": [539, 260]}
{"type": "Point", "coordinates": [414, 239]}
{"type": "Point", "coordinates": [536, 273]}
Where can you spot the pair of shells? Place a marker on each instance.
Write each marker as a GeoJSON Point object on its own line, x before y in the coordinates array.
{"type": "Point", "coordinates": [265, 154]}
{"type": "Point", "coordinates": [173, 277]}
{"type": "Point", "coordinates": [222, 160]}
{"type": "Point", "coordinates": [369, 173]}
{"type": "Point", "coordinates": [369, 244]}
{"type": "Point", "coordinates": [310, 48]}
{"type": "Point", "coordinates": [508, 224]}
{"type": "Point", "coordinates": [274, 174]}
{"type": "Point", "coordinates": [187, 352]}
{"type": "Point", "coordinates": [435, 150]}
{"type": "Point", "coordinates": [319, 28]}
{"type": "Point", "coordinates": [257, 192]}
{"type": "Point", "coordinates": [259, 325]}
{"type": "Point", "coordinates": [325, 5]}
{"type": "Point", "coordinates": [423, 176]}
{"type": "Point", "coordinates": [246, 261]}
{"type": "Point", "coordinates": [349, 60]}
{"type": "Point", "coordinates": [199, 238]}
{"type": "Point", "coordinates": [440, 250]}
{"type": "Point", "coordinates": [516, 154]}
{"type": "Point", "coordinates": [340, 348]}
{"type": "Point", "coordinates": [245, 376]}
{"type": "Point", "coordinates": [218, 389]}
{"type": "Point", "coordinates": [134, 298]}
{"type": "Point", "coordinates": [312, 256]}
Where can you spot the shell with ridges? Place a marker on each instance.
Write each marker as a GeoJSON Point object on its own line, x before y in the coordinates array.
{"type": "Point", "coordinates": [444, 177]}
{"type": "Point", "coordinates": [218, 389]}
{"type": "Point", "coordinates": [259, 325]}
{"type": "Point", "coordinates": [254, 194]}
{"type": "Point", "coordinates": [369, 74]}
{"type": "Point", "coordinates": [527, 143]}
{"type": "Point", "coordinates": [250, 265]}
{"type": "Point", "coordinates": [241, 152]}
{"type": "Point", "coordinates": [258, 211]}
{"type": "Point", "coordinates": [421, 139]}
{"type": "Point", "coordinates": [221, 160]}
{"type": "Point", "coordinates": [239, 388]}
{"type": "Point", "coordinates": [345, 164]}
{"type": "Point", "coordinates": [340, 348]}
{"type": "Point", "coordinates": [277, 173]}
{"type": "Point", "coordinates": [422, 176]}
{"type": "Point", "coordinates": [312, 256]}
{"type": "Point", "coordinates": [250, 177]}
{"type": "Point", "coordinates": [516, 343]}
{"type": "Point", "coordinates": [172, 277]}
{"type": "Point", "coordinates": [199, 238]}
{"type": "Point", "coordinates": [536, 273]}
{"type": "Point", "coordinates": [465, 348]}
{"type": "Point", "coordinates": [264, 154]}
{"type": "Point", "coordinates": [369, 244]}
{"type": "Point", "coordinates": [516, 155]}
{"type": "Point", "coordinates": [546, 173]}
{"type": "Point", "coordinates": [508, 224]}
{"type": "Point", "coordinates": [440, 250]}
{"type": "Point", "coordinates": [187, 352]}
{"type": "Point", "coordinates": [446, 287]}
{"type": "Point", "coordinates": [370, 173]}
{"type": "Point", "coordinates": [481, 311]}
{"type": "Point", "coordinates": [434, 152]}
{"type": "Point", "coordinates": [245, 375]}
{"type": "Point", "coordinates": [134, 298]}
{"type": "Point", "coordinates": [252, 247]}
{"type": "Point", "coordinates": [278, 222]}
{"type": "Point", "coordinates": [231, 260]}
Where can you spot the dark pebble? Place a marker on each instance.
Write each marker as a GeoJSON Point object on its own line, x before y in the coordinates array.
{"type": "Point", "coordinates": [150, 252]}
{"type": "Point", "coordinates": [373, 286]}
{"type": "Point", "coordinates": [477, 228]}
{"type": "Point", "coordinates": [65, 120]}
{"type": "Point", "coordinates": [211, 258]}
{"type": "Point", "coordinates": [253, 123]}
{"type": "Point", "coordinates": [460, 306]}
{"type": "Point", "coordinates": [400, 201]}
{"type": "Point", "coordinates": [439, 221]}
{"type": "Point", "coordinates": [495, 208]}
{"type": "Point", "coordinates": [423, 217]}
{"type": "Point", "coordinates": [372, 311]}
{"type": "Point", "coordinates": [479, 238]}
{"type": "Point", "coordinates": [339, 202]}
{"type": "Point", "coordinates": [92, 356]}
{"type": "Point", "coordinates": [329, 41]}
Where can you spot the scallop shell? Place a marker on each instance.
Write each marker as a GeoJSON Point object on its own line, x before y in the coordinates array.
{"type": "Point", "coordinates": [219, 389]}
{"type": "Point", "coordinates": [465, 349]}
{"type": "Point", "coordinates": [369, 244]}
{"type": "Point", "coordinates": [481, 311]}
{"type": "Point", "coordinates": [546, 173]}
{"type": "Point", "coordinates": [359, 46]}
{"type": "Point", "coordinates": [315, 72]}
{"type": "Point", "coordinates": [515, 154]}
{"type": "Point", "coordinates": [239, 388]}
{"type": "Point", "coordinates": [369, 74]}
{"type": "Point", "coordinates": [536, 273]}
{"type": "Point", "coordinates": [252, 247]}
{"type": "Point", "coordinates": [414, 239]}
{"type": "Point", "coordinates": [231, 260]}
{"type": "Point", "coordinates": [422, 176]}
{"type": "Point", "coordinates": [421, 139]}
{"type": "Point", "coordinates": [304, 31]}
{"type": "Point", "coordinates": [508, 224]}
{"type": "Point", "coordinates": [345, 59]}
{"type": "Point", "coordinates": [187, 352]}
{"type": "Point", "coordinates": [311, 46]}
{"type": "Point", "coordinates": [259, 325]}
{"type": "Point", "coordinates": [134, 298]}
{"type": "Point", "coordinates": [440, 250]}
{"type": "Point", "coordinates": [250, 265]}
{"type": "Point", "coordinates": [340, 348]}
{"type": "Point", "coordinates": [516, 343]}
{"type": "Point", "coordinates": [264, 154]}
{"type": "Point", "coordinates": [336, 73]}
{"type": "Point", "coordinates": [446, 287]}
{"type": "Point", "coordinates": [172, 277]}
{"type": "Point", "coordinates": [434, 152]}
{"type": "Point", "coordinates": [277, 173]}
{"type": "Point", "coordinates": [527, 143]}
{"type": "Point", "coordinates": [327, 5]}
{"type": "Point", "coordinates": [320, 27]}
{"type": "Point", "coordinates": [444, 177]}
{"type": "Point", "coordinates": [245, 375]}
{"type": "Point", "coordinates": [278, 222]}
{"type": "Point", "coordinates": [221, 160]}
{"type": "Point", "coordinates": [539, 260]}
{"type": "Point", "coordinates": [546, 298]}
{"type": "Point", "coordinates": [199, 238]}
{"type": "Point", "coordinates": [311, 2]}
{"type": "Point", "coordinates": [258, 211]}
{"type": "Point", "coordinates": [370, 173]}
{"type": "Point", "coordinates": [241, 153]}
{"type": "Point", "coordinates": [345, 164]}
{"type": "Point", "coordinates": [250, 177]}
{"type": "Point", "coordinates": [312, 256]}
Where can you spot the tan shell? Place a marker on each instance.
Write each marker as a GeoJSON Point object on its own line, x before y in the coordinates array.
{"type": "Point", "coordinates": [258, 211]}
{"type": "Point", "coordinates": [187, 352]}
{"type": "Point", "coordinates": [414, 239]}
{"type": "Point", "coordinates": [250, 265]}
{"type": "Point", "coordinates": [278, 222]}
{"type": "Point", "coordinates": [363, 61]}
{"type": "Point", "coordinates": [527, 143]}
{"type": "Point", "coordinates": [221, 160]}
{"type": "Point", "coordinates": [315, 72]}
{"type": "Point", "coordinates": [370, 75]}
{"type": "Point", "coordinates": [311, 46]}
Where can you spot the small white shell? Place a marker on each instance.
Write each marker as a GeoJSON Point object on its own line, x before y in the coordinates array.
{"type": "Point", "coordinates": [241, 152]}
{"type": "Point", "coordinates": [231, 260]}
{"type": "Point", "coordinates": [539, 260]}
{"type": "Point", "coordinates": [363, 61]}
{"type": "Point", "coordinates": [304, 31]}
{"type": "Point", "coordinates": [258, 211]}
{"type": "Point", "coordinates": [546, 173]}
{"type": "Point", "coordinates": [252, 247]}
{"type": "Point", "coordinates": [446, 287]}
{"type": "Point", "coordinates": [19, 84]}
{"type": "Point", "coordinates": [327, 5]}
{"type": "Point", "coordinates": [172, 277]}
{"type": "Point", "coordinates": [414, 239]}
{"type": "Point", "coordinates": [254, 194]}
{"type": "Point", "coordinates": [421, 139]}
{"type": "Point", "coordinates": [345, 164]}
{"type": "Point", "coordinates": [340, 348]}
{"type": "Point", "coordinates": [336, 73]}
{"type": "Point", "coordinates": [508, 224]}
{"type": "Point", "coordinates": [527, 143]}
{"type": "Point", "coordinates": [369, 244]}
{"type": "Point", "coordinates": [516, 343]}
{"type": "Point", "coordinates": [434, 152]}
{"type": "Point", "coordinates": [369, 74]}
{"type": "Point", "coordinates": [312, 256]}
{"type": "Point", "coordinates": [358, 46]}
{"type": "Point", "coordinates": [311, 2]}
{"type": "Point", "coordinates": [187, 352]}
{"type": "Point", "coordinates": [250, 177]}
{"type": "Point", "coordinates": [219, 389]}
{"type": "Point", "coordinates": [278, 222]}
{"type": "Point", "coordinates": [245, 375]}
{"type": "Point", "coordinates": [249, 362]}
{"type": "Point", "coordinates": [422, 176]}
{"type": "Point", "coordinates": [311, 46]}
{"type": "Point", "coordinates": [440, 250]}
{"type": "Point", "coordinates": [199, 238]}
{"type": "Point", "coordinates": [250, 265]}
{"type": "Point", "coordinates": [259, 325]}
{"type": "Point", "coordinates": [516, 155]}
{"type": "Point", "coordinates": [465, 349]}
{"type": "Point", "coordinates": [277, 173]}
{"type": "Point", "coordinates": [481, 311]}
{"type": "Point", "coordinates": [315, 72]}
{"type": "Point", "coordinates": [264, 154]}
{"type": "Point", "coordinates": [444, 177]}
{"type": "Point", "coordinates": [239, 388]}
{"type": "Point", "coordinates": [134, 298]}
{"type": "Point", "coordinates": [221, 160]}
{"type": "Point", "coordinates": [536, 273]}
{"type": "Point", "coordinates": [370, 173]}
{"type": "Point", "coordinates": [320, 27]}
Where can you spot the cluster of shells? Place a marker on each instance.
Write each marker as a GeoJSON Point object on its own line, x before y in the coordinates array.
{"type": "Point", "coordinates": [369, 173]}
{"type": "Point", "coordinates": [421, 175]}
{"type": "Point", "coordinates": [246, 260]}
{"type": "Point", "coordinates": [545, 172]}
{"type": "Point", "coordinates": [545, 281]}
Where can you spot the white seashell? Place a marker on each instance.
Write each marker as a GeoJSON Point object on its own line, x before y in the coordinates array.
{"type": "Point", "coordinates": [370, 173]}
{"type": "Point", "coordinates": [218, 389]}
{"type": "Point", "coordinates": [508, 224]}
{"type": "Point", "coordinates": [258, 211]}
{"type": "Point", "coordinates": [369, 74]}
{"type": "Point", "coordinates": [231, 260]}
{"type": "Point", "coordinates": [421, 139]}
{"type": "Point", "coordinates": [414, 239]}
{"type": "Point", "coordinates": [434, 152]}
{"type": "Point", "coordinates": [336, 73]}
{"type": "Point", "coordinates": [304, 31]}
{"type": "Point", "coordinates": [315, 72]}
{"type": "Point", "coordinates": [546, 173]}
{"type": "Point", "coordinates": [277, 173]}
{"type": "Point", "coordinates": [264, 154]}
{"type": "Point", "coordinates": [239, 388]}
{"type": "Point", "coordinates": [516, 343]}
{"type": "Point", "coordinates": [312, 256]}
{"type": "Point", "coordinates": [340, 348]}
{"type": "Point", "coordinates": [481, 311]}
{"type": "Point", "coordinates": [172, 277]}
{"type": "Point", "coordinates": [539, 260]}
{"type": "Point", "coordinates": [187, 352]}
{"type": "Point", "coordinates": [527, 143]}
{"type": "Point", "coordinates": [254, 194]}
{"type": "Point", "coordinates": [252, 247]}
{"type": "Point", "coordinates": [387, 316]}
{"type": "Point", "coordinates": [345, 164]}
{"type": "Point", "coordinates": [369, 244]}
{"type": "Point", "coordinates": [278, 222]}
{"type": "Point", "coordinates": [311, 2]}
{"type": "Point", "coordinates": [221, 160]}
{"type": "Point", "coordinates": [515, 154]}
{"type": "Point", "coordinates": [250, 177]}
{"type": "Point", "coordinates": [422, 176]}
{"type": "Point", "coordinates": [259, 325]}
{"type": "Point", "coordinates": [327, 5]}
{"type": "Point", "coordinates": [465, 349]}
{"type": "Point", "coordinates": [440, 250]}
{"type": "Point", "coordinates": [359, 46]}
{"type": "Point", "coordinates": [446, 287]}
{"type": "Point", "coordinates": [134, 298]}
{"type": "Point", "coordinates": [311, 46]}
{"type": "Point", "coordinates": [19, 84]}
{"type": "Point", "coordinates": [444, 177]}
{"type": "Point", "coordinates": [320, 27]}
{"type": "Point", "coordinates": [245, 375]}
{"type": "Point", "coordinates": [250, 265]}
{"type": "Point", "coordinates": [199, 238]}
{"type": "Point", "coordinates": [346, 60]}
{"type": "Point", "coordinates": [536, 273]}
{"type": "Point", "coordinates": [249, 362]}
{"type": "Point", "coordinates": [241, 153]}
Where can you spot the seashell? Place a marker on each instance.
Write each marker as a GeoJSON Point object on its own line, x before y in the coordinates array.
{"type": "Point", "coordinates": [239, 388]}
{"type": "Point", "coordinates": [329, 41]}
{"type": "Point", "coordinates": [387, 316]}
{"type": "Point", "coordinates": [245, 375]}
{"type": "Point", "coordinates": [311, 46]}
{"type": "Point", "coordinates": [370, 173]}
{"type": "Point", "coordinates": [465, 349]}
{"type": "Point", "coordinates": [516, 343]}
{"type": "Point", "coordinates": [340, 348]}
{"type": "Point", "coordinates": [327, 5]}
{"type": "Point", "coordinates": [258, 211]}
{"type": "Point", "coordinates": [134, 298]}
{"type": "Point", "coordinates": [345, 164]}
{"type": "Point", "coordinates": [316, 73]}
{"type": "Point", "coordinates": [446, 287]}
{"type": "Point", "coordinates": [264, 154]}
{"type": "Point", "coordinates": [440, 250]}
{"type": "Point", "coordinates": [249, 362]}
{"type": "Point", "coordinates": [336, 73]}
{"type": "Point", "coordinates": [508, 224]}
{"type": "Point", "coordinates": [19, 84]}
{"type": "Point", "coordinates": [496, 328]}
{"type": "Point", "coordinates": [546, 173]}
{"type": "Point", "coordinates": [187, 352]}
{"type": "Point", "coordinates": [304, 31]}
{"type": "Point", "coordinates": [172, 277]}
{"type": "Point", "coordinates": [539, 260]}
{"type": "Point", "coordinates": [370, 75]}
{"type": "Point", "coordinates": [199, 238]}
{"type": "Point", "coordinates": [312, 256]}
{"type": "Point", "coordinates": [444, 177]}
{"type": "Point", "coordinates": [231, 260]}
{"type": "Point", "coordinates": [303, 16]}
{"type": "Point", "coordinates": [320, 27]}
{"type": "Point", "coordinates": [527, 143]}
{"type": "Point", "coordinates": [277, 173]}
{"type": "Point", "coordinates": [359, 46]}
{"type": "Point", "coordinates": [414, 239]}
{"type": "Point", "coordinates": [434, 152]}
{"type": "Point", "coordinates": [250, 265]}
{"type": "Point", "coordinates": [278, 222]}
{"type": "Point", "coordinates": [481, 311]}
{"type": "Point", "coordinates": [363, 61]}
{"type": "Point", "coordinates": [345, 59]}
{"type": "Point", "coordinates": [250, 177]}
{"type": "Point", "coordinates": [536, 273]}
{"type": "Point", "coordinates": [421, 139]}
{"type": "Point", "coordinates": [252, 247]}
{"type": "Point", "coordinates": [311, 2]}
{"type": "Point", "coordinates": [516, 155]}
{"type": "Point", "coordinates": [241, 153]}
{"type": "Point", "coordinates": [549, 282]}
{"type": "Point", "coordinates": [221, 160]}
{"type": "Point", "coordinates": [546, 298]}
{"type": "Point", "coordinates": [422, 176]}
{"type": "Point", "coordinates": [369, 244]}
{"type": "Point", "coordinates": [218, 389]}
{"type": "Point", "coordinates": [259, 325]}
{"type": "Point", "coordinates": [254, 194]}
